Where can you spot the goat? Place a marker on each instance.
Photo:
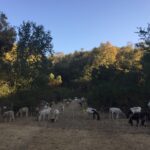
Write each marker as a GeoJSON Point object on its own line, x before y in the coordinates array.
{"type": "Point", "coordinates": [44, 114]}
{"type": "Point", "coordinates": [136, 109]}
{"type": "Point", "coordinates": [24, 111]}
{"type": "Point", "coordinates": [54, 115]}
{"type": "Point", "coordinates": [139, 117]}
{"type": "Point", "coordinates": [115, 111]}
{"type": "Point", "coordinates": [94, 112]}
{"type": "Point", "coordinates": [9, 115]}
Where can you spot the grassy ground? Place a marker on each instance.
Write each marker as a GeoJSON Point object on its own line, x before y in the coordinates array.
{"type": "Point", "coordinates": [73, 132]}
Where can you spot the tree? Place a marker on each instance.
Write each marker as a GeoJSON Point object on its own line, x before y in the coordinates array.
{"type": "Point", "coordinates": [104, 55]}
{"type": "Point", "coordinates": [7, 40]}
{"type": "Point", "coordinates": [34, 45]}
{"type": "Point", "coordinates": [129, 58]}
{"type": "Point", "coordinates": [7, 37]}
{"type": "Point", "coordinates": [144, 44]}
{"type": "Point", "coordinates": [144, 35]}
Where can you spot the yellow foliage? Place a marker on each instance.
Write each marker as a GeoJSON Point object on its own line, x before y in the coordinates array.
{"type": "Point", "coordinates": [5, 89]}
{"type": "Point", "coordinates": [128, 58]}
{"type": "Point", "coordinates": [106, 55]}
{"type": "Point", "coordinates": [137, 55]}
{"type": "Point", "coordinates": [53, 82]}
{"type": "Point", "coordinates": [11, 56]}
{"type": "Point", "coordinates": [33, 59]}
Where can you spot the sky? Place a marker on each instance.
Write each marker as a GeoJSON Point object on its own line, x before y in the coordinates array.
{"type": "Point", "coordinates": [76, 24]}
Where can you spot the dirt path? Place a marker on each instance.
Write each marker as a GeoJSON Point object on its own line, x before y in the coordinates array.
{"type": "Point", "coordinates": [74, 139]}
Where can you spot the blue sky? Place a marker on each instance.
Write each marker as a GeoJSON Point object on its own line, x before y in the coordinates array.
{"type": "Point", "coordinates": [76, 24]}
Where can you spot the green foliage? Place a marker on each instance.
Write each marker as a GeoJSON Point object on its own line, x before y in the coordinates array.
{"type": "Point", "coordinates": [144, 35]}
{"type": "Point", "coordinates": [7, 39]}
{"type": "Point", "coordinates": [33, 45]}
{"type": "Point", "coordinates": [107, 75]}
{"type": "Point", "coordinates": [144, 44]}
{"type": "Point", "coordinates": [71, 66]}
{"type": "Point", "coordinates": [7, 35]}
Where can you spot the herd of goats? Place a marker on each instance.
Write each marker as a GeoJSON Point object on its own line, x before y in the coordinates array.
{"type": "Point", "coordinates": [51, 111]}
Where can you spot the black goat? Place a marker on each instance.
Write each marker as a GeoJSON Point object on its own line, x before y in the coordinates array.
{"type": "Point", "coordinates": [140, 118]}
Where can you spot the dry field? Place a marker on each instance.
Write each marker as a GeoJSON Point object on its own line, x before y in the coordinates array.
{"type": "Point", "coordinates": [73, 132]}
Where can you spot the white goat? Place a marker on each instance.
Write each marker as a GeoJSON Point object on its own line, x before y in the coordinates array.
{"type": "Point", "coordinates": [23, 111]}
{"type": "Point", "coordinates": [55, 114]}
{"type": "Point", "coordinates": [9, 115]}
{"type": "Point", "coordinates": [44, 114]}
{"type": "Point", "coordinates": [93, 112]}
{"type": "Point", "coordinates": [115, 112]}
{"type": "Point", "coordinates": [90, 110]}
{"type": "Point", "coordinates": [136, 109]}
{"type": "Point", "coordinates": [61, 107]}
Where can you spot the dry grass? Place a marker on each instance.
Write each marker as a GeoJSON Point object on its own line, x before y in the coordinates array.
{"type": "Point", "coordinates": [73, 132]}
